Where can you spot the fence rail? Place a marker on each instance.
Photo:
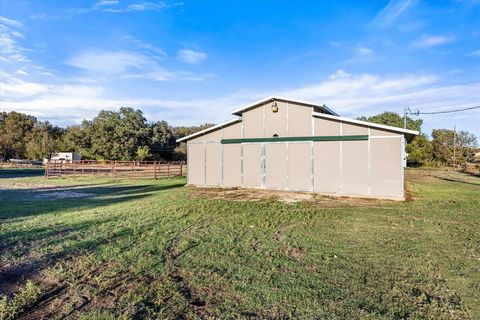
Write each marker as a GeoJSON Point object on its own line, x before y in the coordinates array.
{"type": "Point", "coordinates": [115, 169]}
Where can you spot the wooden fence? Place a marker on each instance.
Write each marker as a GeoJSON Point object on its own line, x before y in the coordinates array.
{"type": "Point", "coordinates": [115, 169]}
{"type": "Point", "coordinates": [472, 168]}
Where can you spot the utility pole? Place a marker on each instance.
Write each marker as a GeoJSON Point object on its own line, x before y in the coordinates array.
{"type": "Point", "coordinates": [405, 117]}
{"type": "Point", "coordinates": [454, 146]}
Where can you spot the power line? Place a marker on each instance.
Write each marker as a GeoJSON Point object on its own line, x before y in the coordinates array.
{"type": "Point", "coordinates": [446, 111]}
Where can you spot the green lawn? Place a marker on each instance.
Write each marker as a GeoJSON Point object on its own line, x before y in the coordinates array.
{"type": "Point", "coordinates": [92, 249]}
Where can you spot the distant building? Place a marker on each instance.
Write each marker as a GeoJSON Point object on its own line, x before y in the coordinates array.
{"type": "Point", "coordinates": [65, 156]}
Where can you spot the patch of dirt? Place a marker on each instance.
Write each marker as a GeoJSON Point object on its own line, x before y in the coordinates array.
{"type": "Point", "coordinates": [295, 253]}
{"type": "Point", "coordinates": [239, 194]}
{"type": "Point", "coordinates": [8, 185]}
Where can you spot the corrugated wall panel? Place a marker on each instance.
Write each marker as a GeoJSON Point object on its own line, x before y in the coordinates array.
{"type": "Point", "coordinates": [196, 163]}
{"type": "Point", "coordinates": [253, 123]}
{"type": "Point", "coordinates": [252, 163]}
{"type": "Point", "coordinates": [214, 136]}
{"type": "Point", "coordinates": [299, 166]}
{"type": "Point", "coordinates": [232, 165]}
{"type": "Point", "coordinates": [326, 166]}
{"type": "Point", "coordinates": [386, 169]}
{"type": "Point", "coordinates": [214, 164]}
{"type": "Point", "coordinates": [276, 123]}
{"type": "Point", "coordinates": [233, 131]}
{"type": "Point", "coordinates": [275, 165]}
{"type": "Point", "coordinates": [353, 129]}
{"type": "Point", "coordinates": [354, 174]}
{"type": "Point", "coordinates": [299, 120]}
{"type": "Point", "coordinates": [326, 127]}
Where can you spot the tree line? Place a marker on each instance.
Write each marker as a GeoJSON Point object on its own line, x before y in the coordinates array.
{"type": "Point", "coordinates": [111, 135]}
{"type": "Point", "coordinates": [126, 135]}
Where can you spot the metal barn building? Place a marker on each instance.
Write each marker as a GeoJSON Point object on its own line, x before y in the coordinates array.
{"type": "Point", "coordinates": [286, 144]}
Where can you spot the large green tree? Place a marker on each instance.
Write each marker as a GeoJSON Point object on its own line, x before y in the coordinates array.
{"type": "Point", "coordinates": [395, 120]}
{"type": "Point", "coordinates": [162, 140]}
{"type": "Point", "coordinates": [14, 132]}
{"type": "Point", "coordinates": [43, 140]}
{"type": "Point", "coordinates": [420, 151]}
{"type": "Point", "coordinates": [117, 135]}
{"type": "Point", "coordinates": [444, 141]}
{"type": "Point", "coordinates": [182, 131]}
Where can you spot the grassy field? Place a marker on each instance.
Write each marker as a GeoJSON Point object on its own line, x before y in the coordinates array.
{"type": "Point", "coordinates": [92, 249]}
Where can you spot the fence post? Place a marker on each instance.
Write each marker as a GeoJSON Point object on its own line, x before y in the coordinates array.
{"type": "Point", "coordinates": [181, 169]}
{"type": "Point", "coordinates": [113, 170]}
{"type": "Point", "coordinates": [73, 164]}
{"type": "Point", "coordinates": [168, 169]}
{"type": "Point", "coordinates": [46, 169]}
{"type": "Point", "coordinates": [155, 170]}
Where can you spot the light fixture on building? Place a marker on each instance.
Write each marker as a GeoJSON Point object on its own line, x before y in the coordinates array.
{"type": "Point", "coordinates": [274, 107]}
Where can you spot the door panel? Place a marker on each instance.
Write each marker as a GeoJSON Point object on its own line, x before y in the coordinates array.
{"type": "Point", "coordinates": [276, 165]}
{"type": "Point", "coordinates": [252, 165]}
{"type": "Point", "coordinates": [300, 166]}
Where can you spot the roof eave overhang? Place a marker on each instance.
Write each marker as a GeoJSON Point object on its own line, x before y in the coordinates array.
{"type": "Point", "coordinates": [207, 130]}
{"type": "Point", "coordinates": [239, 111]}
{"type": "Point", "coordinates": [409, 134]}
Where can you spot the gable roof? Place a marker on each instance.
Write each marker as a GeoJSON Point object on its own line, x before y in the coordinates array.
{"type": "Point", "coordinates": [323, 107]}
{"type": "Point", "coordinates": [328, 114]}
{"type": "Point", "coordinates": [218, 126]}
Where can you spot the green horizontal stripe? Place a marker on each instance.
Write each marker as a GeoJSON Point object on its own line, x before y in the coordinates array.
{"type": "Point", "coordinates": [292, 139]}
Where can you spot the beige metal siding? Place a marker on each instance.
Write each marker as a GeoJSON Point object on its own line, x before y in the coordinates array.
{"type": "Point", "coordinates": [275, 166]}
{"type": "Point", "coordinates": [214, 136]}
{"type": "Point", "coordinates": [353, 129]}
{"type": "Point", "coordinates": [196, 163]}
{"type": "Point", "coordinates": [252, 165]}
{"type": "Point", "coordinates": [214, 164]}
{"type": "Point", "coordinates": [386, 170]}
{"type": "Point", "coordinates": [233, 131]}
{"type": "Point", "coordinates": [326, 127]}
{"type": "Point", "coordinates": [354, 174]}
{"type": "Point", "coordinates": [197, 139]}
{"type": "Point", "coordinates": [326, 166]}
{"type": "Point", "coordinates": [300, 166]}
{"type": "Point", "coordinates": [299, 120]}
{"type": "Point", "coordinates": [378, 132]}
{"type": "Point", "coordinates": [276, 123]}
{"type": "Point", "coordinates": [253, 123]}
{"type": "Point", "coordinates": [232, 165]}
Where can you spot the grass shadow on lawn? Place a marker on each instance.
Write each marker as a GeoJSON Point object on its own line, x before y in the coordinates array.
{"type": "Point", "coordinates": [21, 173]}
{"type": "Point", "coordinates": [20, 203]}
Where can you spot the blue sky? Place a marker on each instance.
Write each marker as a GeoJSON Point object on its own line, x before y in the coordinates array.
{"type": "Point", "coordinates": [191, 62]}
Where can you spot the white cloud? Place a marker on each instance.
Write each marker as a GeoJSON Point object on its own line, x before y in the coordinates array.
{"type": "Point", "coordinates": [361, 54]}
{"type": "Point", "coordinates": [10, 49]}
{"type": "Point", "coordinates": [10, 22]}
{"type": "Point", "coordinates": [340, 73]}
{"type": "Point", "coordinates": [474, 53]}
{"type": "Point", "coordinates": [427, 41]}
{"type": "Point", "coordinates": [22, 72]}
{"type": "Point", "coordinates": [125, 64]}
{"type": "Point", "coordinates": [191, 56]}
{"type": "Point", "coordinates": [13, 88]}
{"type": "Point", "coordinates": [114, 6]}
{"type": "Point", "coordinates": [350, 95]}
{"type": "Point", "coordinates": [387, 16]}
{"type": "Point", "coordinates": [364, 51]}
{"type": "Point", "coordinates": [106, 2]}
